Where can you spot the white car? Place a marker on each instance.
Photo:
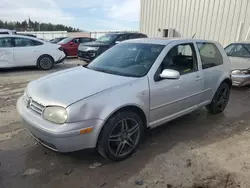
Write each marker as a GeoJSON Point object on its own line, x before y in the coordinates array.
{"type": "Point", "coordinates": [18, 51]}
{"type": "Point", "coordinates": [7, 32]}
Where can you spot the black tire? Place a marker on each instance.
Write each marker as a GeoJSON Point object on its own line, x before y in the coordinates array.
{"type": "Point", "coordinates": [45, 62]}
{"type": "Point", "coordinates": [114, 136]}
{"type": "Point", "coordinates": [220, 99]}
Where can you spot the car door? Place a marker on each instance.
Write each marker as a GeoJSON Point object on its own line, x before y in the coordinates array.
{"type": "Point", "coordinates": [73, 47]}
{"type": "Point", "coordinates": [171, 98]}
{"type": "Point", "coordinates": [6, 52]}
{"type": "Point", "coordinates": [211, 62]}
{"type": "Point", "coordinates": [26, 51]}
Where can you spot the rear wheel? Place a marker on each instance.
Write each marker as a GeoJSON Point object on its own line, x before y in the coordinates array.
{"type": "Point", "coordinates": [220, 99]}
{"type": "Point", "coordinates": [120, 136]}
{"type": "Point", "coordinates": [45, 62]}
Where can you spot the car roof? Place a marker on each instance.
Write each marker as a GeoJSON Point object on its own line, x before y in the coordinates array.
{"type": "Point", "coordinates": [165, 41]}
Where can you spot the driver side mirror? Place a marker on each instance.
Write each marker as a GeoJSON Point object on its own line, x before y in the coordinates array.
{"type": "Point", "coordinates": [170, 74]}
{"type": "Point", "coordinates": [71, 43]}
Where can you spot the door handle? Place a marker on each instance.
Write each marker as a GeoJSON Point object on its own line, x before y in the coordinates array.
{"type": "Point", "coordinates": [198, 78]}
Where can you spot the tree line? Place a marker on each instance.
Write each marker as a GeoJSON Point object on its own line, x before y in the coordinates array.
{"type": "Point", "coordinates": [35, 26]}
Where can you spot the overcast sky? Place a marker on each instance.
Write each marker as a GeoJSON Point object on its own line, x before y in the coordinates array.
{"type": "Point", "coordinates": [83, 14]}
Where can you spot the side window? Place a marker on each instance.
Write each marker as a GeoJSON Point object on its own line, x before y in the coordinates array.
{"type": "Point", "coordinates": [133, 36]}
{"type": "Point", "coordinates": [210, 55]}
{"type": "Point", "coordinates": [24, 42]}
{"type": "Point", "coordinates": [84, 40]}
{"type": "Point", "coordinates": [5, 42]}
{"type": "Point", "coordinates": [122, 38]}
{"type": "Point", "coordinates": [238, 50]}
{"type": "Point", "coordinates": [181, 58]}
{"type": "Point", "coordinates": [77, 41]}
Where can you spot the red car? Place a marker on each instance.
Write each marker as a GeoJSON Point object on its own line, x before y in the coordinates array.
{"type": "Point", "coordinates": [70, 44]}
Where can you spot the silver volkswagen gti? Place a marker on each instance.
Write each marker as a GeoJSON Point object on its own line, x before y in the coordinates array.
{"type": "Point", "coordinates": [135, 85]}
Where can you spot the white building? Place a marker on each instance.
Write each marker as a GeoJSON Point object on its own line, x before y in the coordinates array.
{"type": "Point", "coordinates": [225, 21]}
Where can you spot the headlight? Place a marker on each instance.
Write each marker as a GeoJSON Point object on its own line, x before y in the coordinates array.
{"type": "Point", "coordinates": [55, 114]}
{"type": "Point", "coordinates": [247, 71]}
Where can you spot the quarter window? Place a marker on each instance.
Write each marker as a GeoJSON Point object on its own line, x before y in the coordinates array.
{"type": "Point", "coordinates": [24, 42]}
{"type": "Point", "coordinates": [210, 55]}
{"type": "Point", "coordinates": [181, 58]}
{"type": "Point", "coordinates": [238, 50]}
{"type": "Point", "coordinates": [6, 42]}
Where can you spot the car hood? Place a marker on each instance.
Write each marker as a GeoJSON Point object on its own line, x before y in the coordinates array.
{"type": "Point", "coordinates": [66, 87]}
{"type": "Point", "coordinates": [239, 63]}
{"type": "Point", "coordinates": [94, 44]}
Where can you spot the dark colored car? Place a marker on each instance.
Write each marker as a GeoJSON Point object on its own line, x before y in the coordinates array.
{"type": "Point", "coordinates": [89, 51]}
{"type": "Point", "coordinates": [70, 44]}
{"type": "Point", "coordinates": [56, 40]}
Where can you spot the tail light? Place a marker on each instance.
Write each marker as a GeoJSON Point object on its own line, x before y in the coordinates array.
{"type": "Point", "coordinates": [60, 48]}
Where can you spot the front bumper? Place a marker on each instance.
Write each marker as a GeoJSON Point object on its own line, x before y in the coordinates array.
{"type": "Point", "coordinates": [61, 138]}
{"type": "Point", "coordinates": [87, 56]}
{"type": "Point", "coordinates": [241, 80]}
{"type": "Point", "coordinates": [60, 60]}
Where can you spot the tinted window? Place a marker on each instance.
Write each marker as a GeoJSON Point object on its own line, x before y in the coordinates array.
{"type": "Point", "coordinates": [24, 42]}
{"type": "Point", "coordinates": [210, 55]}
{"type": "Point", "coordinates": [238, 50]}
{"type": "Point", "coordinates": [122, 38]}
{"type": "Point", "coordinates": [133, 36]}
{"type": "Point", "coordinates": [181, 58]}
{"type": "Point", "coordinates": [108, 38]}
{"type": "Point", "coordinates": [4, 33]}
{"type": "Point", "coordinates": [85, 40]}
{"type": "Point", "coordinates": [5, 42]}
{"type": "Point", "coordinates": [127, 59]}
{"type": "Point", "coordinates": [66, 40]}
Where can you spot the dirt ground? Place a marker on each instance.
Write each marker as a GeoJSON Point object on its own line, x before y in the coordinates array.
{"type": "Point", "coordinates": [198, 150]}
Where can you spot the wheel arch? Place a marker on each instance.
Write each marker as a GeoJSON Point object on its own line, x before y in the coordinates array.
{"type": "Point", "coordinates": [43, 56]}
{"type": "Point", "coordinates": [132, 108]}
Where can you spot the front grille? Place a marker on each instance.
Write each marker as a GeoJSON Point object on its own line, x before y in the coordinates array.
{"type": "Point", "coordinates": [33, 105]}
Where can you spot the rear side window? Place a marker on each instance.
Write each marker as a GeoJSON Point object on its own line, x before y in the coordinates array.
{"type": "Point", "coordinates": [6, 42]}
{"type": "Point", "coordinates": [24, 42]}
{"type": "Point", "coordinates": [85, 40]}
{"type": "Point", "coordinates": [210, 55]}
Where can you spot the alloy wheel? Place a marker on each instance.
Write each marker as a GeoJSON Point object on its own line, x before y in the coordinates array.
{"type": "Point", "coordinates": [124, 137]}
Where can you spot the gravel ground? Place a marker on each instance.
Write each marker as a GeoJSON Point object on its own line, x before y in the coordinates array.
{"type": "Point", "coordinates": [197, 150]}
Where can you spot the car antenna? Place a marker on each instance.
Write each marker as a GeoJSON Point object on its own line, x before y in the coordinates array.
{"type": "Point", "coordinates": [193, 36]}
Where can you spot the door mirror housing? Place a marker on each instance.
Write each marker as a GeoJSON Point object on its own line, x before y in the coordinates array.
{"type": "Point", "coordinates": [71, 43]}
{"type": "Point", "coordinates": [170, 74]}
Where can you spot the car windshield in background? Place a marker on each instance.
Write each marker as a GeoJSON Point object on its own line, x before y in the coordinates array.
{"type": "Point", "coordinates": [56, 40]}
{"type": "Point", "coordinates": [66, 40]}
{"type": "Point", "coordinates": [107, 38]}
{"type": "Point", "coordinates": [127, 59]}
{"type": "Point", "coordinates": [238, 50]}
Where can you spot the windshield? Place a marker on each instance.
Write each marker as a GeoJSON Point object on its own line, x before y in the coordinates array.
{"type": "Point", "coordinates": [238, 50]}
{"type": "Point", "coordinates": [66, 40]}
{"type": "Point", "coordinates": [127, 59]}
{"type": "Point", "coordinates": [108, 38]}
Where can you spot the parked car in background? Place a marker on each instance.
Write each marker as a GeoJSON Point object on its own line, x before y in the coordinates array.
{"type": "Point", "coordinates": [56, 40]}
{"type": "Point", "coordinates": [7, 32]}
{"type": "Point", "coordinates": [239, 55]}
{"type": "Point", "coordinates": [70, 44]}
{"type": "Point", "coordinates": [18, 50]}
{"type": "Point", "coordinates": [148, 82]}
{"type": "Point", "coordinates": [91, 50]}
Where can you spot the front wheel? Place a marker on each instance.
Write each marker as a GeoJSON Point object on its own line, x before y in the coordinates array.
{"type": "Point", "coordinates": [220, 99]}
{"type": "Point", "coordinates": [45, 62]}
{"type": "Point", "coordinates": [120, 136]}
